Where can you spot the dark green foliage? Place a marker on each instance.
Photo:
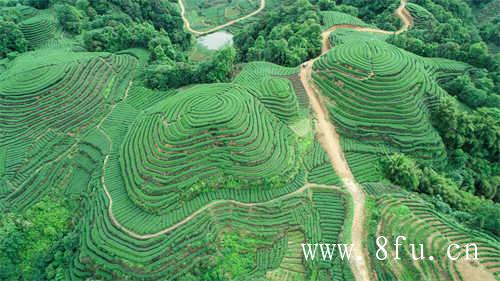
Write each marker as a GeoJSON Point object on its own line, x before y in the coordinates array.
{"type": "Point", "coordinates": [29, 242]}
{"type": "Point", "coordinates": [12, 39]}
{"type": "Point", "coordinates": [119, 25]}
{"type": "Point", "coordinates": [472, 139]}
{"type": "Point", "coordinates": [476, 133]}
{"type": "Point", "coordinates": [70, 18]}
{"type": "Point", "coordinates": [39, 4]}
{"type": "Point", "coordinates": [120, 37]}
{"type": "Point", "coordinates": [490, 31]}
{"type": "Point", "coordinates": [177, 74]}
{"type": "Point", "coordinates": [475, 91]}
{"type": "Point", "coordinates": [454, 35]}
{"type": "Point", "coordinates": [11, 242]}
{"type": "Point", "coordinates": [368, 9]}
{"type": "Point", "coordinates": [56, 262]}
{"type": "Point", "coordinates": [162, 14]}
{"type": "Point", "coordinates": [402, 171]}
{"type": "Point", "coordinates": [287, 37]}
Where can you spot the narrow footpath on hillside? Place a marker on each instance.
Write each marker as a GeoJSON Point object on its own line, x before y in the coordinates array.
{"type": "Point", "coordinates": [229, 23]}
{"type": "Point", "coordinates": [330, 141]}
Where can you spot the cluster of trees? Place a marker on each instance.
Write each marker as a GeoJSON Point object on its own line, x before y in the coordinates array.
{"type": "Point", "coordinates": [288, 36]}
{"type": "Point", "coordinates": [453, 35]}
{"type": "Point", "coordinates": [473, 142]}
{"type": "Point", "coordinates": [490, 31]}
{"type": "Point", "coordinates": [235, 258]}
{"type": "Point", "coordinates": [12, 39]}
{"type": "Point", "coordinates": [475, 90]}
{"type": "Point", "coordinates": [405, 172]}
{"type": "Point", "coordinates": [143, 35]}
{"type": "Point", "coordinates": [490, 20]}
{"type": "Point", "coordinates": [137, 23]}
{"type": "Point", "coordinates": [107, 26]}
{"type": "Point", "coordinates": [379, 12]}
{"type": "Point", "coordinates": [37, 244]}
{"type": "Point", "coordinates": [178, 74]}
{"type": "Point", "coordinates": [70, 18]}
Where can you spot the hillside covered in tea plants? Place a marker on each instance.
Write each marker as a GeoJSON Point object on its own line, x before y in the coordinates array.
{"type": "Point", "coordinates": [131, 148]}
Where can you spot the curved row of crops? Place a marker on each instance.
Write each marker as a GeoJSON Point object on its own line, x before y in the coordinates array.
{"type": "Point", "coordinates": [332, 214]}
{"type": "Point", "coordinates": [44, 106]}
{"type": "Point", "coordinates": [32, 100]}
{"type": "Point", "coordinates": [377, 96]}
{"type": "Point", "coordinates": [210, 136]}
{"type": "Point", "coordinates": [346, 35]}
{"type": "Point", "coordinates": [420, 223]}
{"type": "Point", "coordinates": [331, 18]}
{"type": "Point", "coordinates": [39, 29]}
{"type": "Point", "coordinates": [273, 86]}
{"type": "Point", "coordinates": [217, 142]}
{"type": "Point", "coordinates": [191, 156]}
{"type": "Point", "coordinates": [276, 228]}
{"type": "Point", "coordinates": [319, 167]}
{"type": "Point", "coordinates": [245, 180]}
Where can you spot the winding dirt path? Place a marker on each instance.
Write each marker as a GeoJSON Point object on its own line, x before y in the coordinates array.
{"type": "Point", "coordinates": [330, 141]}
{"type": "Point", "coordinates": [326, 134]}
{"type": "Point", "coordinates": [231, 22]}
{"type": "Point", "coordinates": [200, 210]}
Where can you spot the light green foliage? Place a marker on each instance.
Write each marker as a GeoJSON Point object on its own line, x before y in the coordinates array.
{"type": "Point", "coordinates": [331, 18]}
{"type": "Point", "coordinates": [237, 255]}
{"type": "Point", "coordinates": [346, 35]}
{"type": "Point", "coordinates": [25, 238]}
{"type": "Point", "coordinates": [42, 86]}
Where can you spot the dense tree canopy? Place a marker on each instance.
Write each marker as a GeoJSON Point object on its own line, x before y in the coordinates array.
{"type": "Point", "coordinates": [70, 18]}
{"type": "Point", "coordinates": [404, 171]}
{"type": "Point", "coordinates": [176, 74]}
{"type": "Point", "coordinates": [288, 36]}
{"type": "Point", "coordinates": [12, 39]}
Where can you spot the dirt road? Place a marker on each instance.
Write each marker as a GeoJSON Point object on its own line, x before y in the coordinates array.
{"type": "Point", "coordinates": [326, 135]}
{"type": "Point", "coordinates": [330, 141]}
{"type": "Point", "coordinates": [199, 33]}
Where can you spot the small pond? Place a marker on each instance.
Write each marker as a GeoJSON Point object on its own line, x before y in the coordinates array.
{"type": "Point", "coordinates": [216, 40]}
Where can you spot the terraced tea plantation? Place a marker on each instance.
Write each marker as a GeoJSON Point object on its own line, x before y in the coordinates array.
{"type": "Point", "coordinates": [172, 176]}
{"type": "Point", "coordinates": [331, 18]}
{"type": "Point", "coordinates": [379, 97]}
{"type": "Point", "coordinates": [407, 215]}
{"type": "Point", "coordinates": [123, 158]}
